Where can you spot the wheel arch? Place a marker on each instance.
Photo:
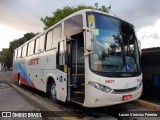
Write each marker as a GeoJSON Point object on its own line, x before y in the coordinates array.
{"type": "Point", "coordinates": [51, 78]}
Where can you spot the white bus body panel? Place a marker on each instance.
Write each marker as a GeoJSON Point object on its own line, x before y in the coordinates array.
{"type": "Point", "coordinates": [43, 68]}
{"type": "Point", "coordinates": [97, 98]}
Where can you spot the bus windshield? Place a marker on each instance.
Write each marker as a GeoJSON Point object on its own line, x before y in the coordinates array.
{"type": "Point", "coordinates": [115, 47]}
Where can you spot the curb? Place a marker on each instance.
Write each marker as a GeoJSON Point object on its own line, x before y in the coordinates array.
{"type": "Point", "coordinates": [149, 105]}
{"type": "Point", "coordinates": [42, 104]}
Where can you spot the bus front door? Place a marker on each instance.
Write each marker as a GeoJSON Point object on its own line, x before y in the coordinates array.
{"type": "Point", "coordinates": [76, 76]}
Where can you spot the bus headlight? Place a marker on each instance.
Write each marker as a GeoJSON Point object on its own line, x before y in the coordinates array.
{"type": "Point", "coordinates": [100, 87]}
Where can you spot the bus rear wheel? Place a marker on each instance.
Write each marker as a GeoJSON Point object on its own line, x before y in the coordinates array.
{"type": "Point", "coordinates": [53, 93]}
{"type": "Point", "coordinates": [19, 81]}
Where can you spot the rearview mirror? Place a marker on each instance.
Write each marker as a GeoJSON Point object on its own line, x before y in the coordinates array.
{"type": "Point", "coordinates": [88, 41]}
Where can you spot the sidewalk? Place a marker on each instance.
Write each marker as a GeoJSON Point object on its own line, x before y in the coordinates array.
{"type": "Point", "coordinates": [6, 76]}
{"type": "Point", "coordinates": [10, 100]}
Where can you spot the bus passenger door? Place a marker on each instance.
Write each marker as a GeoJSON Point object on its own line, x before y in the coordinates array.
{"type": "Point", "coordinates": [76, 76]}
{"type": "Point", "coordinates": [61, 73]}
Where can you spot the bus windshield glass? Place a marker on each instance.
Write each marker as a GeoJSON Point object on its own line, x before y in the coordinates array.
{"type": "Point", "coordinates": [115, 47]}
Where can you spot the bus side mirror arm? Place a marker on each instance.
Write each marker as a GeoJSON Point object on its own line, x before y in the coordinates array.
{"type": "Point", "coordinates": [88, 53]}
{"type": "Point", "coordinates": [85, 55]}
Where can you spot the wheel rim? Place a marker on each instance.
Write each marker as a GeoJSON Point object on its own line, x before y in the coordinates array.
{"type": "Point", "coordinates": [53, 91]}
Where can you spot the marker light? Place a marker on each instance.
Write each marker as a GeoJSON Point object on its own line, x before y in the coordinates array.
{"type": "Point", "coordinates": [100, 87]}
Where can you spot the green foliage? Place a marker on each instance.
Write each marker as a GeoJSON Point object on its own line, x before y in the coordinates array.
{"type": "Point", "coordinates": [6, 55]}
{"type": "Point", "coordinates": [16, 43]}
{"type": "Point", "coordinates": [59, 14]}
{"type": "Point", "coordinates": [5, 58]}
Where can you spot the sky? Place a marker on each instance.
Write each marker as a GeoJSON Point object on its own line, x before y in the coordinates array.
{"type": "Point", "coordinates": [18, 17]}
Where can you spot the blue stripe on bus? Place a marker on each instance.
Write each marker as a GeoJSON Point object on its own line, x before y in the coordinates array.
{"type": "Point", "coordinates": [23, 73]}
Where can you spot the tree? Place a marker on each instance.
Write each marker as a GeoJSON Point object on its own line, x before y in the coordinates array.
{"type": "Point", "coordinates": [16, 43]}
{"type": "Point", "coordinates": [6, 55]}
{"type": "Point", "coordinates": [5, 58]}
{"type": "Point", "coordinates": [59, 14]}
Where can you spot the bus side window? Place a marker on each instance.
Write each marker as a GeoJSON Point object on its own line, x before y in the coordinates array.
{"type": "Point", "coordinates": [57, 35]}
{"type": "Point", "coordinates": [39, 44]}
{"type": "Point", "coordinates": [30, 48]}
{"type": "Point", "coordinates": [19, 53]}
{"type": "Point", "coordinates": [61, 53]}
{"type": "Point", "coordinates": [15, 55]}
{"type": "Point", "coordinates": [24, 49]}
{"type": "Point", "coordinates": [73, 25]}
{"type": "Point", "coordinates": [49, 41]}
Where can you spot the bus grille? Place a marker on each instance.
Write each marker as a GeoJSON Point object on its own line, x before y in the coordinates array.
{"type": "Point", "coordinates": [125, 90]}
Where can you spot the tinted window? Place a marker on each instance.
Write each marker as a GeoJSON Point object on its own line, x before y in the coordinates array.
{"type": "Point", "coordinates": [15, 55]}
{"type": "Point", "coordinates": [61, 53]}
{"type": "Point", "coordinates": [73, 25]}
{"type": "Point", "coordinates": [49, 44]}
{"type": "Point", "coordinates": [19, 53]}
{"type": "Point", "coordinates": [24, 50]}
{"type": "Point", "coordinates": [31, 48]}
{"type": "Point", "coordinates": [114, 45]}
{"type": "Point", "coordinates": [39, 47]}
{"type": "Point", "coordinates": [56, 35]}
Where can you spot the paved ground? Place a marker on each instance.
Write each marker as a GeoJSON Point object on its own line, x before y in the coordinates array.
{"type": "Point", "coordinates": [6, 77]}
{"type": "Point", "coordinates": [10, 100]}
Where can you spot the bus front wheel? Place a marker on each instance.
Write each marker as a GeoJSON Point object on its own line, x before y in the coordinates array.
{"type": "Point", "coordinates": [53, 93]}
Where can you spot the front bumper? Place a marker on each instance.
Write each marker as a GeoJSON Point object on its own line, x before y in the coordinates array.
{"type": "Point", "coordinates": [97, 98]}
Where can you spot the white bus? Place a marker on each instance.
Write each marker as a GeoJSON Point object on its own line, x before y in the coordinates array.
{"type": "Point", "coordinates": [90, 58]}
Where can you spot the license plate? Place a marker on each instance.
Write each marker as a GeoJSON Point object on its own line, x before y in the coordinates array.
{"type": "Point", "coordinates": [127, 97]}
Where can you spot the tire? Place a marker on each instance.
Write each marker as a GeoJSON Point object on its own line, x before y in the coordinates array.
{"type": "Point", "coordinates": [53, 93]}
{"type": "Point", "coordinates": [19, 82]}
